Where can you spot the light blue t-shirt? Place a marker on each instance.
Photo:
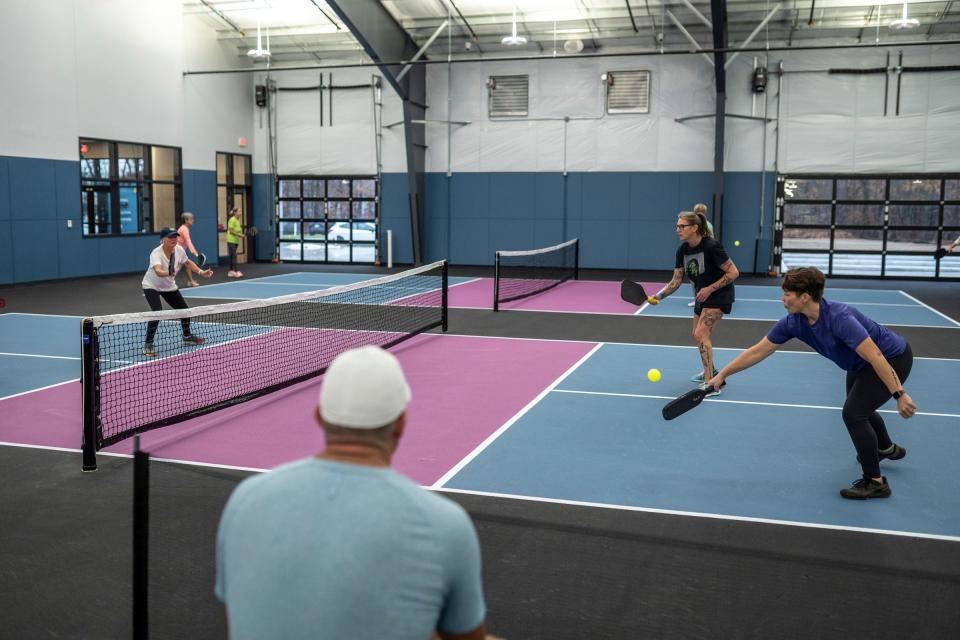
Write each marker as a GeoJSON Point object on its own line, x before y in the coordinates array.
{"type": "Point", "coordinates": [837, 333]}
{"type": "Point", "coordinates": [322, 549]}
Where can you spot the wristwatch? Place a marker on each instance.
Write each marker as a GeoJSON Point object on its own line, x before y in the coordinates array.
{"type": "Point", "coordinates": [897, 394]}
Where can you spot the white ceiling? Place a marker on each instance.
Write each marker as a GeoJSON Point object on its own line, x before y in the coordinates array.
{"type": "Point", "coordinates": [308, 30]}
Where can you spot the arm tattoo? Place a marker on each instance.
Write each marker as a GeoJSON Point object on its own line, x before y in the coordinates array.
{"type": "Point", "coordinates": [896, 379]}
{"type": "Point", "coordinates": [673, 285]}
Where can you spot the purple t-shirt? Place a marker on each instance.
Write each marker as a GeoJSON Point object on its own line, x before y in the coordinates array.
{"type": "Point", "coordinates": [837, 333]}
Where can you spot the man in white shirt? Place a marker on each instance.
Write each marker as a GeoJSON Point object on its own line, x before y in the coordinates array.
{"type": "Point", "coordinates": [160, 282]}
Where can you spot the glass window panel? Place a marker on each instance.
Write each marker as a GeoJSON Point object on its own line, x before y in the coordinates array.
{"type": "Point", "coordinates": [94, 159]}
{"type": "Point", "coordinates": [164, 206]}
{"type": "Point", "coordinates": [313, 209]}
{"type": "Point", "coordinates": [364, 210]}
{"type": "Point", "coordinates": [131, 209]}
{"type": "Point", "coordinates": [858, 240]}
{"type": "Point", "coordinates": [860, 214]}
{"type": "Point", "coordinates": [857, 264]}
{"type": "Point", "coordinates": [951, 190]}
{"type": "Point", "coordinates": [315, 230]}
{"type": "Point", "coordinates": [922, 241]}
{"type": "Point", "coordinates": [861, 189]}
{"type": "Point", "coordinates": [364, 232]}
{"type": "Point", "coordinates": [221, 208]}
{"type": "Point", "coordinates": [806, 213]}
{"type": "Point", "coordinates": [289, 188]}
{"type": "Point", "coordinates": [914, 214]}
{"type": "Point", "coordinates": [239, 170]}
{"type": "Point", "coordinates": [166, 163]}
{"type": "Point", "coordinates": [819, 260]}
{"type": "Point", "coordinates": [339, 232]}
{"type": "Point", "coordinates": [364, 188]}
{"type": "Point", "coordinates": [221, 168]}
{"type": "Point", "coordinates": [290, 209]}
{"type": "Point", "coordinates": [314, 188]}
{"type": "Point", "coordinates": [806, 239]}
{"type": "Point", "coordinates": [917, 189]}
{"type": "Point", "coordinates": [910, 266]}
{"type": "Point", "coordinates": [338, 252]}
{"type": "Point", "coordinates": [290, 251]}
{"type": "Point", "coordinates": [338, 210]}
{"type": "Point", "coordinates": [289, 231]}
{"type": "Point", "coordinates": [803, 189]}
{"type": "Point", "coordinates": [951, 215]}
{"type": "Point", "coordinates": [314, 251]}
{"type": "Point", "coordinates": [97, 202]}
{"type": "Point", "coordinates": [339, 188]}
{"type": "Point", "coordinates": [130, 161]}
{"type": "Point", "coordinates": [364, 253]}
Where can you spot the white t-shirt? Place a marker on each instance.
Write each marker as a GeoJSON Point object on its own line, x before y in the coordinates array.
{"type": "Point", "coordinates": [157, 257]}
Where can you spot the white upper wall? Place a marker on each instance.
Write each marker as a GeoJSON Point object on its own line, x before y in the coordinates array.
{"type": "Point", "coordinates": [113, 69]}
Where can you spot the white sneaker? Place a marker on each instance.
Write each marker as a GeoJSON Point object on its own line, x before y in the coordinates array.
{"type": "Point", "coordinates": [232, 274]}
{"type": "Point", "coordinates": [692, 303]}
{"type": "Point", "coordinates": [238, 274]}
{"type": "Point", "coordinates": [715, 392]}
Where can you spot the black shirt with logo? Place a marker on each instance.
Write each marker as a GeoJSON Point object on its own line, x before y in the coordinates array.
{"type": "Point", "coordinates": [702, 265]}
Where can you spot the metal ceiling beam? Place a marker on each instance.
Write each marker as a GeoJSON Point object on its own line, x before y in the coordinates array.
{"type": "Point", "coordinates": [220, 15]}
{"type": "Point", "coordinates": [697, 13]}
{"type": "Point", "coordinates": [718, 13]}
{"type": "Point", "coordinates": [632, 21]}
{"type": "Point", "coordinates": [332, 21]}
{"type": "Point", "coordinates": [753, 34]}
{"type": "Point", "coordinates": [686, 34]}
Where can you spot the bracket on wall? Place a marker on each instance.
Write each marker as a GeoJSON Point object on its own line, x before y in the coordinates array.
{"type": "Point", "coordinates": [456, 122]}
{"type": "Point", "coordinates": [729, 115]}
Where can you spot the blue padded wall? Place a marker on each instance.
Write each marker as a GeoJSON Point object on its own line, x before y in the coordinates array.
{"type": "Point", "coordinates": [395, 216]}
{"type": "Point", "coordinates": [6, 239]}
{"type": "Point", "coordinates": [200, 199]}
{"type": "Point", "coordinates": [263, 213]}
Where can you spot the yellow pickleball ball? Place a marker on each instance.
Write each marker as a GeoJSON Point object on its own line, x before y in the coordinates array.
{"type": "Point", "coordinates": [653, 375]}
{"type": "Point", "coordinates": [736, 243]}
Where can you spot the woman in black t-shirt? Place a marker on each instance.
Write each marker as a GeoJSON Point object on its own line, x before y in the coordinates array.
{"type": "Point", "coordinates": [712, 273]}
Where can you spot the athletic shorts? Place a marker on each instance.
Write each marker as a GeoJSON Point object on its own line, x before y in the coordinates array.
{"type": "Point", "coordinates": [700, 306]}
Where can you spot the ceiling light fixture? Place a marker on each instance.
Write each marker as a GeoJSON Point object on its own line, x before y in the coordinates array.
{"type": "Point", "coordinates": [260, 53]}
{"type": "Point", "coordinates": [903, 22]}
{"type": "Point", "coordinates": [514, 39]}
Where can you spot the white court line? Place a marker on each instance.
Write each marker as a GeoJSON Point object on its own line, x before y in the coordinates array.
{"type": "Point", "coordinates": [931, 308]}
{"type": "Point", "coordinates": [43, 315]}
{"type": "Point", "coordinates": [36, 355]}
{"type": "Point", "coordinates": [716, 516]}
{"type": "Point", "coordinates": [496, 434]}
{"type": "Point", "coordinates": [575, 503]}
{"type": "Point", "coordinates": [49, 386]}
{"type": "Point", "coordinates": [752, 402]}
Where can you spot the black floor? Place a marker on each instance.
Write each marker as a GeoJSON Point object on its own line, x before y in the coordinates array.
{"type": "Point", "coordinates": [550, 571]}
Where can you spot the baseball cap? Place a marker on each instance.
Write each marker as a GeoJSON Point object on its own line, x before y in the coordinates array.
{"type": "Point", "coordinates": [167, 232]}
{"type": "Point", "coordinates": [363, 389]}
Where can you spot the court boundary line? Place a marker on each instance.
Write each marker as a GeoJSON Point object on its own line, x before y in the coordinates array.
{"type": "Point", "coordinates": [750, 402]}
{"type": "Point", "coordinates": [696, 514]}
{"type": "Point", "coordinates": [49, 386]}
{"type": "Point", "coordinates": [510, 496]}
{"type": "Point", "coordinates": [924, 304]}
{"type": "Point", "coordinates": [455, 469]}
{"type": "Point", "coordinates": [37, 355]}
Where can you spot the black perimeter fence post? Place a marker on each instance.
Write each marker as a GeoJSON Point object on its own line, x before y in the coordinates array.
{"type": "Point", "coordinates": [496, 281]}
{"type": "Point", "coordinates": [444, 302]}
{"type": "Point", "coordinates": [88, 377]}
{"type": "Point", "coordinates": [141, 528]}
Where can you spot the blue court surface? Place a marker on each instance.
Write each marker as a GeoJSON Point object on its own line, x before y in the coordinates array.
{"type": "Point", "coordinates": [281, 285]}
{"type": "Point", "coordinates": [888, 307]}
{"type": "Point", "coordinates": [771, 447]}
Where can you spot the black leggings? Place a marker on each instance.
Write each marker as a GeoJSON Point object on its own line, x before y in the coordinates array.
{"type": "Point", "coordinates": [174, 299]}
{"type": "Point", "coordinates": [232, 250]}
{"type": "Point", "coordinates": [865, 394]}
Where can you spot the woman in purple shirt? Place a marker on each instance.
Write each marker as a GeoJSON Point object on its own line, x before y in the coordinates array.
{"type": "Point", "coordinates": [876, 360]}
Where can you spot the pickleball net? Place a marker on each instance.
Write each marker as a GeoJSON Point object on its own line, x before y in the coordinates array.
{"type": "Point", "coordinates": [250, 348]}
{"type": "Point", "coordinates": [520, 274]}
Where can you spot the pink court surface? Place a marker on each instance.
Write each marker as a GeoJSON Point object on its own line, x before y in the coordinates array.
{"type": "Point", "coordinates": [464, 389]}
{"type": "Point", "coordinates": [573, 296]}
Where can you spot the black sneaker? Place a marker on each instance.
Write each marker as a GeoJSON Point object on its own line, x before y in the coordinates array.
{"type": "Point", "coordinates": [897, 453]}
{"type": "Point", "coordinates": [866, 488]}
{"type": "Point", "coordinates": [149, 351]}
{"type": "Point", "coordinates": [192, 340]}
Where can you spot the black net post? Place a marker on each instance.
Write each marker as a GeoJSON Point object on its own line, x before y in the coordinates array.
{"type": "Point", "coordinates": [444, 302]}
{"type": "Point", "coordinates": [88, 378]}
{"type": "Point", "coordinates": [141, 529]}
{"type": "Point", "coordinates": [496, 282]}
{"type": "Point", "coordinates": [576, 260]}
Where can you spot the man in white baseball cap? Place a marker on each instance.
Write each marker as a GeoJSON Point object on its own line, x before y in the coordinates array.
{"type": "Point", "coordinates": [341, 546]}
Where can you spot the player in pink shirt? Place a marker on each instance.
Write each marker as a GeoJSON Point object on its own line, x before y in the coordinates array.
{"type": "Point", "coordinates": [185, 242]}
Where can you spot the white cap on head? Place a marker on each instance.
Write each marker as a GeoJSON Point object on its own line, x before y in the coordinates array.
{"type": "Point", "coordinates": [363, 389]}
